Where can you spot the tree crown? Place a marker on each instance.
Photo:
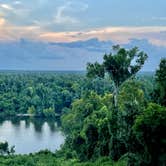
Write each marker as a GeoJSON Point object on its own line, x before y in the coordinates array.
{"type": "Point", "coordinates": [119, 66]}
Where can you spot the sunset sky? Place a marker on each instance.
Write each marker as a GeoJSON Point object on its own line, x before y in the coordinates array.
{"type": "Point", "coordinates": [29, 27]}
{"type": "Point", "coordinates": [70, 20]}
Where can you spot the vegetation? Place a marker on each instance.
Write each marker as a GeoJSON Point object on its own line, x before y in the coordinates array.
{"type": "Point", "coordinates": [120, 66]}
{"type": "Point", "coordinates": [114, 118]}
{"type": "Point", "coordinates": [118, 124]}
{"type": "Point", "coordinates": [160, 89]}
{"type": "Point", "coordinates": [149, 129]}
{"type": "Point", "coordinates": [46, 158]}
{"type": "Point", "coordinates": [4, 149]}
{"type": "Point", "coordinates": [43, 93]}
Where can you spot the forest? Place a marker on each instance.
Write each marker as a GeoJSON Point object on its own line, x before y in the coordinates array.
{"type": "Point", "coordinates": [45, 94]}
{"type": "Point", "coordinates": [113, 114]}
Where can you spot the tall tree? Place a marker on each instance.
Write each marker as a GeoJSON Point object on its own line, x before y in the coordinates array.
{"type": "Point", "coordinates": [119, 66]}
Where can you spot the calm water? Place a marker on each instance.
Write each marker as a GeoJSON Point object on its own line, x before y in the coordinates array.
{"type": "Point", "coordinates": [31, 135]}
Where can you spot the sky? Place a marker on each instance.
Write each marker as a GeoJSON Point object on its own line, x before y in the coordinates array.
{"type": "Point", "coordinates": [74, 20]}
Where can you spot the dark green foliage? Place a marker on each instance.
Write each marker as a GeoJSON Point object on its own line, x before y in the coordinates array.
{"type": "Point", "coordinates": [159, 94]}
{"type": "Point", "coordinates": [43, 94]}
{"type": "Point", "coordinates": [120, 66]}
{"type": "Point", "coordinates": [5, 150]}
{"type": "Point", "coordinates": [150, 128]}
{"type": "Point", "coordinates": [50, 159]}
{"type": "Point", "coordinates": [91, 124]}
{"type": "Point", "coordinates": [87, 125]}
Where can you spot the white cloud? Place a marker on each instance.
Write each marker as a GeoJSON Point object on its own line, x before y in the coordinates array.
{"type": "Point", "coordinates": [6, 7]}
{"type": "Point", "coordinates": [15, 12]}
{"type": "Point", "coordinates": [63, 14]}
{"type": "Point", "coordinates": [121, 35]}
{"type": "Point", "coordinates": [61, 18]}
{"type": "Point", "coordinates": [9, 32]}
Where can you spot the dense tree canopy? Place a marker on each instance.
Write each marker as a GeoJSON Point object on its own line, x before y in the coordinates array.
{"type": "Point", "coordinates": [43, 93]}
{"type": "Point", "coordinates": [149, 128]}
{"type": "Point", "coordinates": [119, 66]}
{"type": "Point", "coordinates": [160, 77]}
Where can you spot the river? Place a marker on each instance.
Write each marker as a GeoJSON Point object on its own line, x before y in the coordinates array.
{"type": "Point", "coordinates": [31, 135]}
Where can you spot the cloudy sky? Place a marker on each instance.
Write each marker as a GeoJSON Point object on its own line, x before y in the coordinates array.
{"type": "Point", "coordinates": [73, 20]}
{"type": "Point", "coordinates": [70, 20]}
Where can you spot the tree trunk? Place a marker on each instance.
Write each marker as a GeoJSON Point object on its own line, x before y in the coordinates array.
{"type": "Point", "coordinates": [115, 98]}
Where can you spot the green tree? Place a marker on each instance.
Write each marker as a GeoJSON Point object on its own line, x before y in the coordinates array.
{"type": "Point", "coordinates": [49, 112]}
{"type": "Point", "coordinates": [31, 110]}
{"type": "Point", "coordinates": [4, 148]}
{"type": "Point", "coordinates": [119, 66]}
{"type": "Point", "coordinates": [131, 104]}
{"type": "Point", "coordinates": [87, 126]}
{"type": "Point", "coordinates": [160, 77]}
{"type": "Point", "coordinates": [150, 128]}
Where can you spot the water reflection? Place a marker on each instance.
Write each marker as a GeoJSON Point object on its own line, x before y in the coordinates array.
{"type": "Point", "coordinates": [37, 123]}
{"type": "Point", "coordinates": [31, 134]}
{"type": "Point", "coordinates": [15, 122]}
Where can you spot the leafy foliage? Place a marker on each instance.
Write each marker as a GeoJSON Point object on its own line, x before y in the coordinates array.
{"type": "Point", "coordinates": [149, 128]}
{"type": "Point", "coordinates": [4, 149]}
{"type": "Point", "coordinates": [87, 125]}
{"type": "Point", "coordinates": [46, 158]}
{"type": "Point", "coordinates": [120, 66]}
{"type": "Point", "coordinates": [160, 91]}
{"type": "Point", "coordinates": [43, 94]}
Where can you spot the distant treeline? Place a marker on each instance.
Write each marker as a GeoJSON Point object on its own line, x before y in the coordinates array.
{"type": "Point", "coordinates": [46, 94]}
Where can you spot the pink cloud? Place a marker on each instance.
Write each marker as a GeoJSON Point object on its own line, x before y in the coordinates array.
{"type": "Point", "coordinates": [119, 35]}
{"type": "Point", "coordinates": [155, 34]}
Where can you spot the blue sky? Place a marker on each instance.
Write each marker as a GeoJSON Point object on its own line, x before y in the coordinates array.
{"type": "Point", "coordinates": [83, 14]}
{"type": "Point", "coordinates": [70, 20]}
{"type": "Point", "coordinates": [73, 20]}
